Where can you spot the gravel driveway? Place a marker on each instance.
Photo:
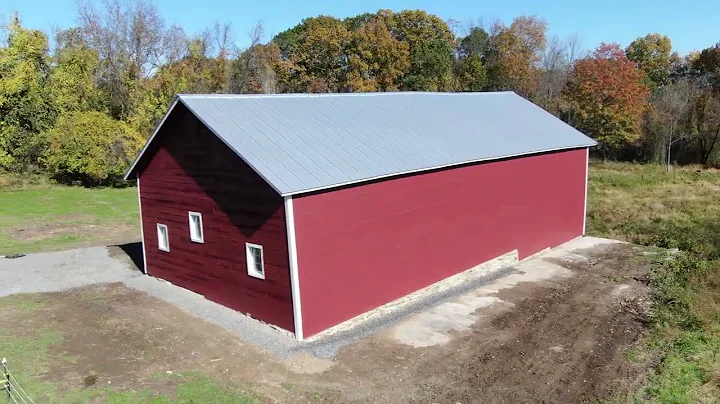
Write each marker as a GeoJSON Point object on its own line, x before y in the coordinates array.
{"type": "Point", "coordinates": [57, 271]}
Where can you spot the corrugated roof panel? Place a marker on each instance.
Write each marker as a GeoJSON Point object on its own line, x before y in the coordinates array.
{"type": "Point", "coordinates": [304, 142]}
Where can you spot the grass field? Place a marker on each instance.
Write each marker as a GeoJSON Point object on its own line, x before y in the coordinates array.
{"type": "Point", "coordinates": [676, 210]}
{"type": "Point", "coordinates": [42, 217]}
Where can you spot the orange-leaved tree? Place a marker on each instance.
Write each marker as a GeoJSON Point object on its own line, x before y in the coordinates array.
{"type": "Point", "coordinates": [607, 97]}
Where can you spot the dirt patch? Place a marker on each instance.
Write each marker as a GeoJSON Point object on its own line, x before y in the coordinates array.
{"type": "Point", "coordinates": [70, 225]}
{"type": "Point", "coordinates": [114, 335]}
{"type": "Point", "coordinates": [561, 339]}
{"type": "Point", "coordinates": [564, 340]}
{"type": "Point", "coordinates": [71, 231]}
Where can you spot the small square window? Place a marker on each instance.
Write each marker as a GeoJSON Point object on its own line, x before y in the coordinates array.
{"type": "Point", "coordinates": [196, 227]}
{"type": "Point", "coordinates": [163, 239]}
{"type": "Point", "coordinates": [255, 264]}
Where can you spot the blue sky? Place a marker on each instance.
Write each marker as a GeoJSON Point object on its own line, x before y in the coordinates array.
{"type": "Point", "coordinates": [691, 25]}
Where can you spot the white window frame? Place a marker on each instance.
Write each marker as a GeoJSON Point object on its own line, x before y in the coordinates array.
{"type": "Point", "coordinates": [196, 238]}
{"type": "Point", "coordinates": [166, 248]}
{"type": "Point", "coordinates": [250, 257]}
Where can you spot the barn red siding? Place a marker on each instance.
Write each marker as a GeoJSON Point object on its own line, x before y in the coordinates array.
{"type": "Point", "coordinates": [361, 247]}
{"type": "Point", "coordinates": [192, 170]}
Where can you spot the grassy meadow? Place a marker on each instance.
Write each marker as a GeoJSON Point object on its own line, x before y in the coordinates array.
{"type": "Point", "coordinates": [680, 210]}
{"type": "Point", "coordinates": [36, 215]}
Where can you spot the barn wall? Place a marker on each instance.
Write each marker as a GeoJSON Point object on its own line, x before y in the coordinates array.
{"type": "Point", "coordinates": [190, 169]}
{"type": "Point", "coordinates": [361, 247]}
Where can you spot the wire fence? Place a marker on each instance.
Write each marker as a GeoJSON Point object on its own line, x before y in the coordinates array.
{"type": "Point", "coordinates": [10, 387]}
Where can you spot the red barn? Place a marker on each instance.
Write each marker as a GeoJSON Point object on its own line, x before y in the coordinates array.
{"type": "Point", "coordinates": [305, 211]}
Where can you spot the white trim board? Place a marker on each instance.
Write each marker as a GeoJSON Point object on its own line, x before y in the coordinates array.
{"type": "Point", "coordinates": [142, 233]}
{"type": "Point", "coordinates": [294, 277]}
{"type": "Point", "coordinates": [587, 169]}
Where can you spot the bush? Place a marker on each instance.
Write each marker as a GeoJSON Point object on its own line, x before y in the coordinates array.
{"type": "Point", "coordinates": [90, 148]}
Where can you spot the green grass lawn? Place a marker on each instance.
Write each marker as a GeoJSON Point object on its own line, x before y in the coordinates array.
{"type": "Point", "coordinates": [681, 209]}
{"type": "Point", "coordinates": [56, 217]}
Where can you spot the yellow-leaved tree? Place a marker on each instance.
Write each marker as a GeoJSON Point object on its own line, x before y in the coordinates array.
{"type": "Point", "coordinates": [90, 148]}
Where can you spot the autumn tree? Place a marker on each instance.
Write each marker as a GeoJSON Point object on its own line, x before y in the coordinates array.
{"type": "Point", "coordinates": [376, 60]}
{"type": "Point", "coordinates": [652, 55]}
{"type": "Point", "coordinates": [195, 72]}
{"type": "Point", "coordinates": [257, 69]}
{"type": "Point", "coordinates": [607, 97]}
{"type": "Point", "coordinates": [515, 53]}
{"type": "Point", "coordinates": [316, 48]}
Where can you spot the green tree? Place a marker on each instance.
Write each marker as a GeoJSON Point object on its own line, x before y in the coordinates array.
{"type": "Point", "coordinates": [476, 43]}
{"type": "Point", "coordinates": [73, 84]}
{"type": "Point", "coordinates": [90, 147]}
{"type": "Point", "coordinates": [652, 55]}
{"type": "Point", "coordinates": [429, 67]}
{"type": "Point", "coordinates": [431, 45]}
{"type": "Point", "coordinates": [470, 72]}
{"type": "Point", "coordinates": [706, 65]}
{"type": "Point", "coordinates": [25, 107]}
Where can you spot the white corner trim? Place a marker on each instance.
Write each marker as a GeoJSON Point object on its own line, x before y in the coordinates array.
{"type": "Point", "coordinates": [294, 278]}
{"type": "Point", "coordinates": [142, 233]}
{"type": "Point", "coordinates": [587, 169]}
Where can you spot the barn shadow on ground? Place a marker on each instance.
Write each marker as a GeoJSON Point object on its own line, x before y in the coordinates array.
{"type": "Point", "coordinates": [132, 252]}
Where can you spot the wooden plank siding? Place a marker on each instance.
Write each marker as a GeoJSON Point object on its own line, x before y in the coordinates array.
{"type": "Point", "coordinates": [190, 169]}
{"type": "Point", "coordinates": [361, 247]}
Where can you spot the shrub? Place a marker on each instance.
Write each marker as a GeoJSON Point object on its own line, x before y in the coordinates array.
{"type": "Point", "coordinates": [90, 148]}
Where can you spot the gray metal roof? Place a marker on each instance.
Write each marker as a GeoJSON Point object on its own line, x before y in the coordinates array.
{"type": "Point", "coordinates": [302, 142]}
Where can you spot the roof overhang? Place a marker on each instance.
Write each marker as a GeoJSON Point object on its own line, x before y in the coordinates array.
{"type": "Point", "coordinates": [131, 171]}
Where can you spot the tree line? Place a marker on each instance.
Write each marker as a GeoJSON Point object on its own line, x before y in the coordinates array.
{"type": "Point", "coordinates": [81, 109]}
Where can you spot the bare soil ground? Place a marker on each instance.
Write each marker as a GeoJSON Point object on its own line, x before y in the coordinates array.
{"type": "Point", "coordinates": [564, 340]}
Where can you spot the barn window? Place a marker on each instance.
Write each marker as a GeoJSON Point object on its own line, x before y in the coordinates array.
{"type": "Point", "coordinates": [163, 240]}
{"type": "Point", "coordinates": [196, 227]}
{"type": "Point", "coordinates": [255, 264]}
